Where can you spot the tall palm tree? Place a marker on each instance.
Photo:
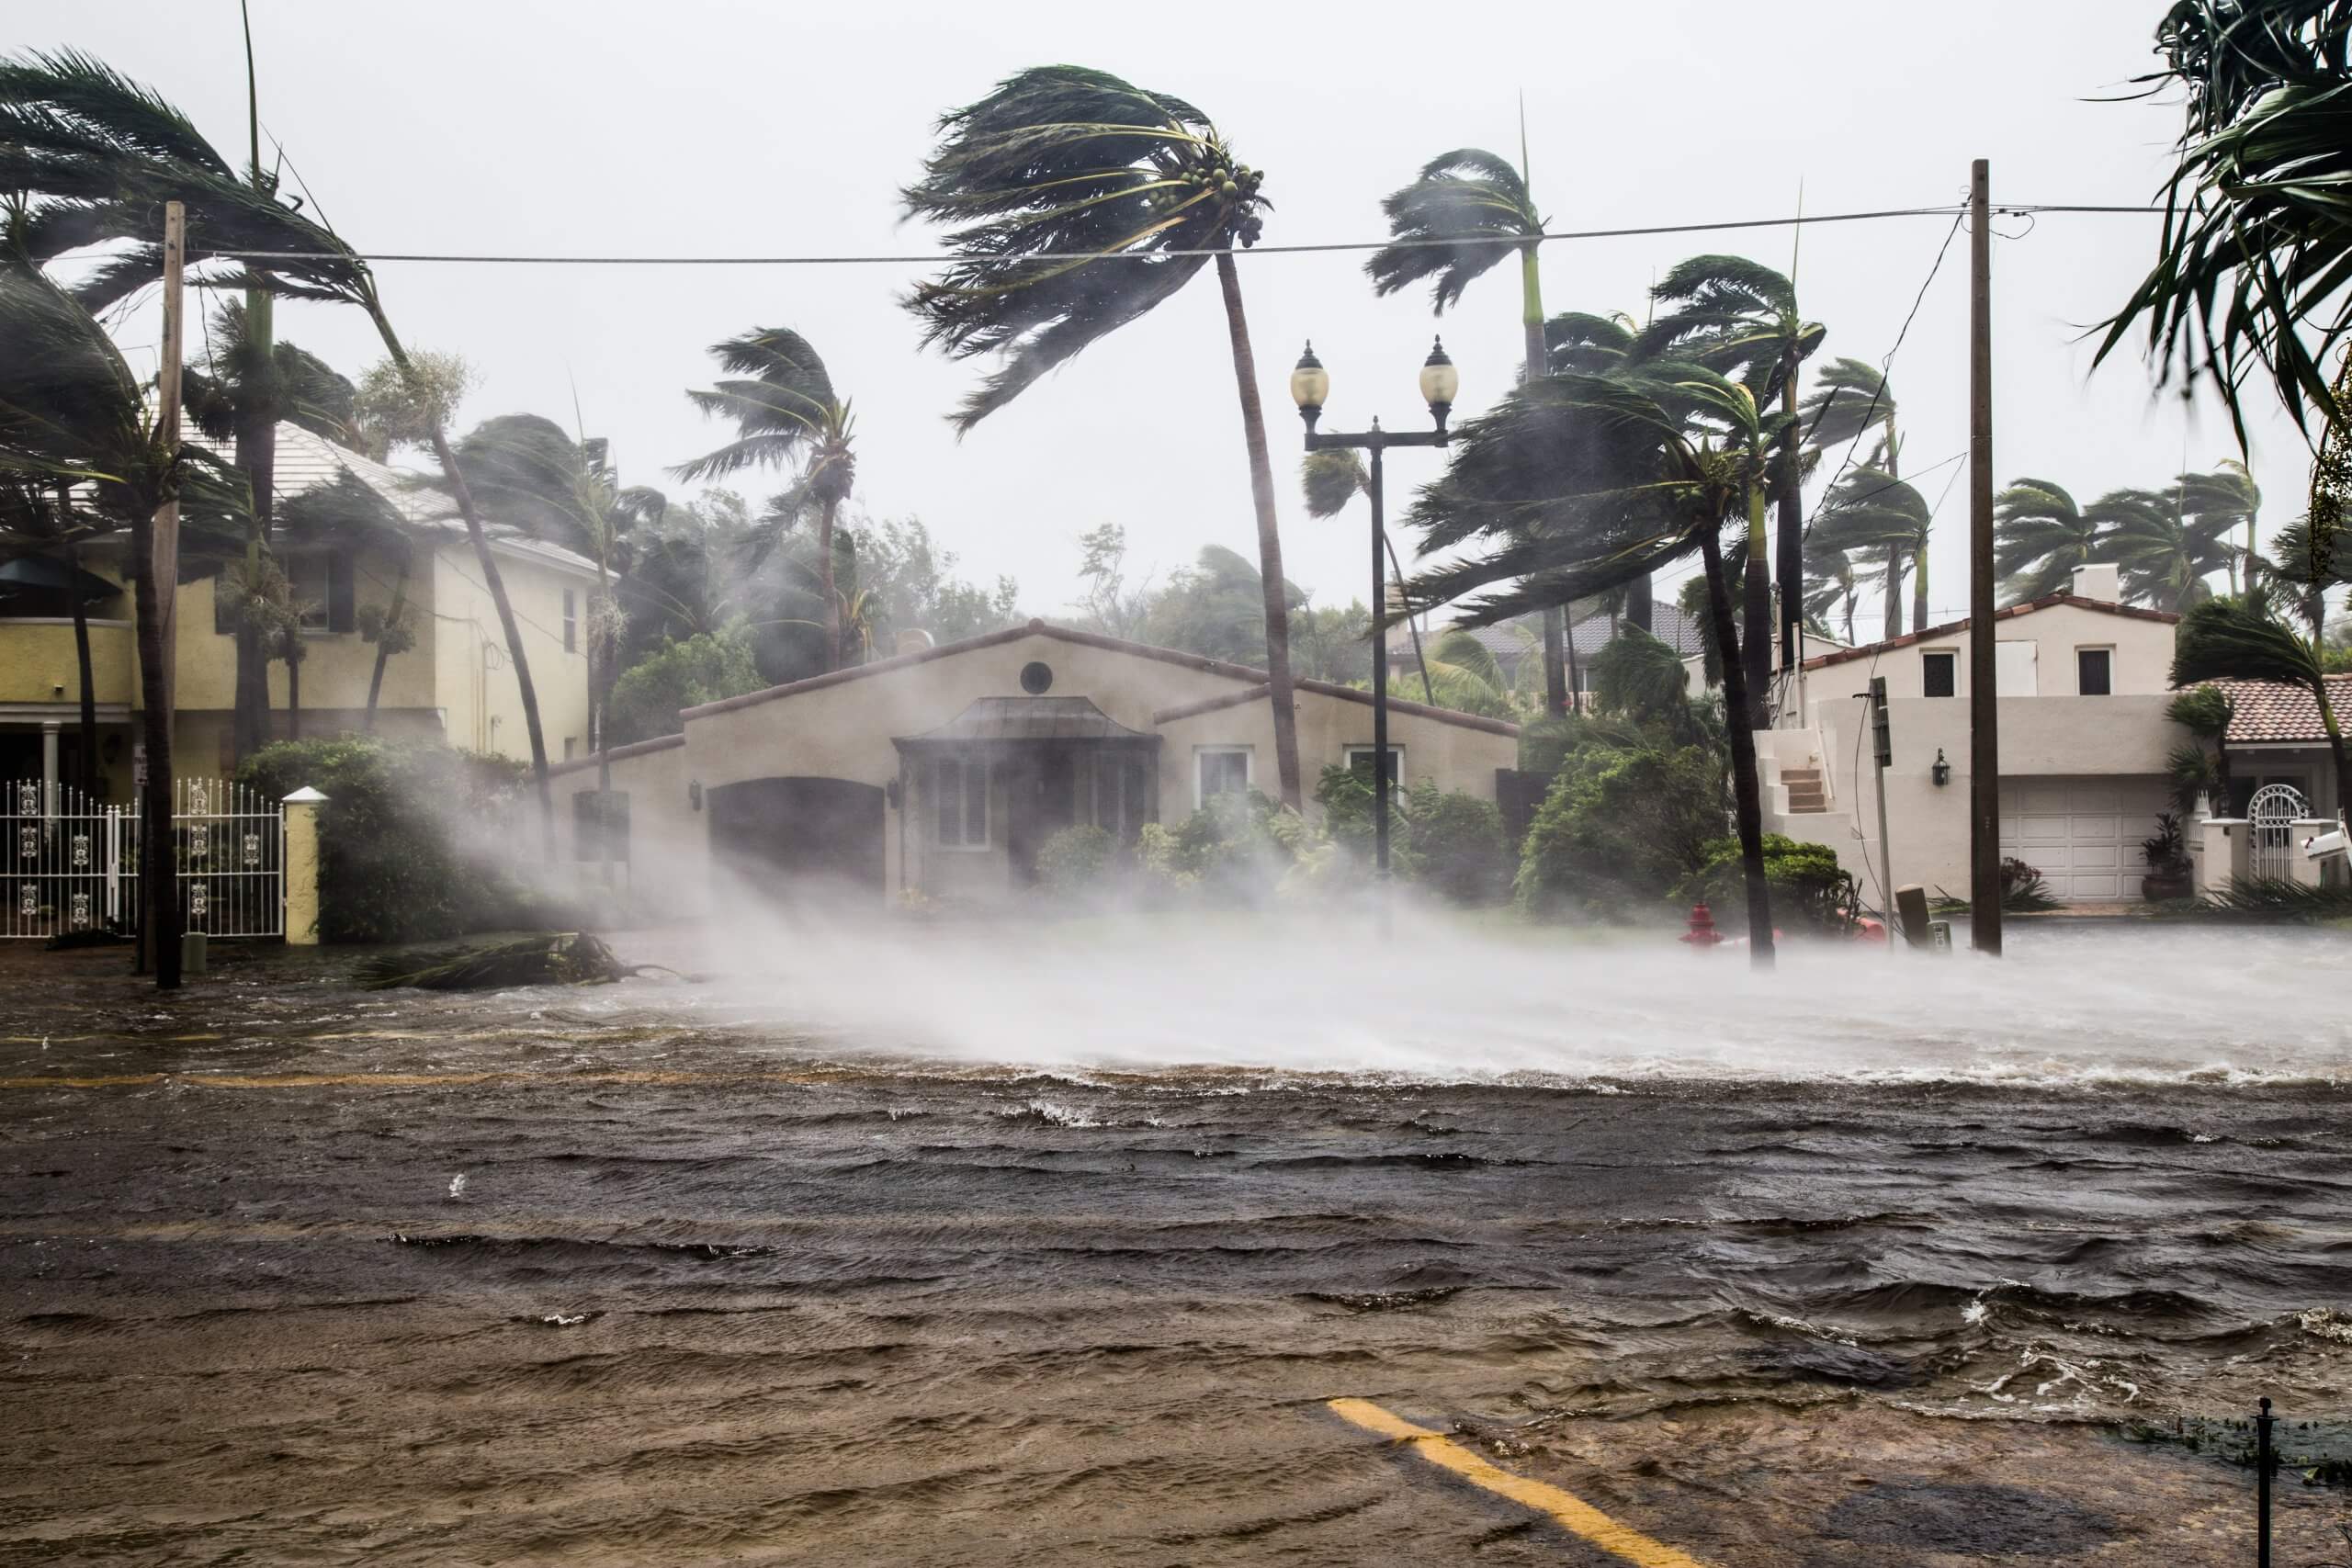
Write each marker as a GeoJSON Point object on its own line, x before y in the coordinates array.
{"type": "Point", "coordinates": [2166, 555]}
{"type": "Point", "coordinates": [2254, 264]}
{"type": "Point", "coordinates": [1061, 161]}
{"type": "Point", "coordinates": [2040, 535]}
{"type": "Point", "coordinates": [1577, 484]}
{"type": "Point", "coordinates": [1849, 400]}
{"type": "Point", "coordinates": [1577, 340]}
{"type": "Point", "coordinates": [1463, 213]}
{"type": "Point", "coordinates": [1740, 318]}
{"type": "Point", "coordinates": [1869, 512]}
{"type": "Point", "coordinates": [1832, 585]}
{"type": "Point", "coordinates": [2226, 498]}
{"type": "Point", "coordinates": [786, 414]}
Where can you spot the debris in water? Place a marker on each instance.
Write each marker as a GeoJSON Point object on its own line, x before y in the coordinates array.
{"type": "Point", "coordinates": [458, 1185]}
{"type": "Point", "coordinates": [566, 1320]}
{"type": "Point", "coordinates": [555, 958]}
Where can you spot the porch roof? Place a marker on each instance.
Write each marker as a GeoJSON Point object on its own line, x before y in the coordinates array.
{"type": "Point", "coordinates": [2271, 713]}
{"type": "Point", "coordinates": [998, 719]}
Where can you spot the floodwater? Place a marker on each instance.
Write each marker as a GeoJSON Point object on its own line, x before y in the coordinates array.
{"type": "Point", "coordinates": [960, 1248]}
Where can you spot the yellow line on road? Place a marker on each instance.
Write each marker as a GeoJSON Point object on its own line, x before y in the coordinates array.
{"type": "Point", "coordinates": [1570, 1511]}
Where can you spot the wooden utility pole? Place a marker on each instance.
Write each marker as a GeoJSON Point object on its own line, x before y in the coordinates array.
{"type": "Point", "coordinates": [158, 862]}
{"type": "Point", "coordinates": [1984, 694]}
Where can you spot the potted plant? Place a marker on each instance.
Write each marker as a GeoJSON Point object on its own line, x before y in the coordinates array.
{"type": "Point", "coordinates": [2170, 875]}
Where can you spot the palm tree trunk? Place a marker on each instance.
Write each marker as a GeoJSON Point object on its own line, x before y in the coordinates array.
{"type": "Point", "coordinates": [86, 773]}
{"type": "Point", "coordinates": [1638, 599]}
{"type": "Point", "coordinates": [1428, 692]}
{"type": "Point", "coordinates": [1791, 519]}
{"type": "Point", "coordinates": [1919, 586]}
{"type": "Point", "coordinates": [1270, 544]}
{"type": "Point", "coordinates": [475, 532]}
{"type": "Point", "coordinates": [392, 618]}
{"type": "Point", "coordinates": [1530, 320]}
{"type": "Point", "coordinates": [294, 684]}
{"type": "Point", "coordinates": [825, 585]}
{"type": "Point", "coordinates": [1748, 801]}
{"type": "Point", "coordinates": [1893, 616]}
{"type": "Point", "coordinates": [1758, 629]}
{"type": "Point", "coordinates": [158, 864]}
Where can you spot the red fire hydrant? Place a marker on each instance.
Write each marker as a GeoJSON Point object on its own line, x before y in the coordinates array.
{"type": "Point", "coordinates": [1702, 933]}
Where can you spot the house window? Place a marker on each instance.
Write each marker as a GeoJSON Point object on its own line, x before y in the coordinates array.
{"type": "Point", "coordinates": [1360, 760]}
{"type": "Point", "coordinates": [1219, 770]}
{"type": "Point", "coordinates": [2094, 672]}
{"type": "Point", "coordinates": [570, 622]}
{"type": "Point", "coordinates": [1122, 793]}
{"type": "Point", "coordinates": [1939, 673]}
{"type": "Point", "coordinates": [323, 590]}
{"type": "Point", "coordinates": [959, 792]}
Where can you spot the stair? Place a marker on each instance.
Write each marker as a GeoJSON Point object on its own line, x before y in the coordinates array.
{"type": "Point", "coordinates": [1807, 795]}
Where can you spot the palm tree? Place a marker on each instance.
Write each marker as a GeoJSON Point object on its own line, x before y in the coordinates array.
{"type": "Point", "coordinates": [1061, 161]}
{"type": "Point", "coordinates": [1463, 213]}
{"type": "Point", "coordinates": [2226, 499]}
{"type": "Point", "coordinates": [2040, 536]}
{"type": "Point", "coordinates": [1832, 585]}
{"type": "Point", "coordinates": [1869, 512]}
{"type": "Point", "coordinates": [2245, 640]}
{"type": "Point", "coordinates": [39, 519]}
{"type": "Point", "coordinates": [786, 412]}
{"type": "Point", "coordinates": [2166, 555]}
{"type": "Point", "coordinates": [1578, 483]}
{"type": "Point", "coordinates": [1850, 399]}
{"type": "Point", "coordinates": [1740, 318]}
{"type": "Point", "coordinates": [1576, 340]}
{"type": "Point", "coordinates": [2253, 263]}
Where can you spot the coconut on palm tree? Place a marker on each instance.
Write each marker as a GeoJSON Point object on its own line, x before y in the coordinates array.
{"type": "Point", "coordinates": [1464, 211]}
{"type": "Point", "coordinates": [1075, 203]}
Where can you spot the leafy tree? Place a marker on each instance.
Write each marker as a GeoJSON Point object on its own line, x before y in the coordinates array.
{"type": "Point", "coordinates": [1110, 606]}
{"type": "Point", "coordinates": [1213, 608]}
{"type": "Point", "coordinates": [915, 584]}
{"type": "Point", "coordinates": [1061, 161]}
{"type": "Point", "coordinates": [703, 668]}
{"type": "Point", "coordinates": [1638, 676]}
{"type": "Point", "coordinates": [392, 407]}
{"type": "Point", "coordinates": [1455, 844]}
{"type": "Point", "coordinates": [1620, 830]}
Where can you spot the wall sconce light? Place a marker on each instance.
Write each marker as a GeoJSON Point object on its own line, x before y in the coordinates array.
{"type": "Point", "coordinates": [694, 794]}
{"type": "Point", "coordinates": [1940, 770]}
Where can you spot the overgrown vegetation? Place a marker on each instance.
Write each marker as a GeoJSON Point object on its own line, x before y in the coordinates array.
{"type": "Point", "coordinates": [1810, 890]}
{"type": "Point", "coordinates": [703, 668]}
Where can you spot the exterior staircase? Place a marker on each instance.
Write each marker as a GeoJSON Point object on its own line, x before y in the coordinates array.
{"type": "Point", "coordinates": [1807, 793]}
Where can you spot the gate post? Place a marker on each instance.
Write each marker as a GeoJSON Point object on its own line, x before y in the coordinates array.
{"type": "Point", "coordinates": [302, 867]}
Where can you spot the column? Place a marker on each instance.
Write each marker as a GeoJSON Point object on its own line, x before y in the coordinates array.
{"type": "Point", "coordinates": [302, 867]}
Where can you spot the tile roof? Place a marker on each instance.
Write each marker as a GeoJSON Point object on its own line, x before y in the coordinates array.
{"type": "Point", "coordinates": [1591, 635]}
{"type": "Point", "coordinates": [2104, 606]}
{"type": "Point", "coordinates": [2269, 711]}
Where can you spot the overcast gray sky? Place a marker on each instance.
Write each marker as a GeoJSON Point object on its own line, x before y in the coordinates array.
{"type": "Point", "coordinates": [695, 126]}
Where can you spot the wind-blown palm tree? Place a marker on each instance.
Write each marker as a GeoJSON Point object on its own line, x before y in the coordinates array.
{"type": "Point", "coordinates": [1058, 163]}
{"type": "Point", "coordinates": [1577, 484]}
{"type": "Point", "coordinates": [2040, 536]}
{"type": "Point", "coordinates": [1849, 400]}
{"type": "Point", "coordinates": [1869, 512]}
{"type": "Point", "coordinates": [1576, 340]}
{"type": "Point", "coordinates": [1832, 585]}
{"type": "Point", "coordinates": [1740, 318]}
{"type": "Point", "coordinates": [39, 518]}
{"type": "Point", "coordinates": [2166, 555]}
{"type": "Point", "coordinates": [786, 414]}
{"type": "Point", "coordinates": [2226, 499]}
{"type": "Point", "coordinates": [1463, 213]}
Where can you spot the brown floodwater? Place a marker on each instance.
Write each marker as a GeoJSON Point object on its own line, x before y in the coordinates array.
{"type": "Point", "coordinates": [295, 1273]}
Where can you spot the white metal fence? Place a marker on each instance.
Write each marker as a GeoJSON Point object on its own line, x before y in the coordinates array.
{"type": "Point", "coordinates": [2272, 814]}
{"type": "Point", "coordinates": [71, 859]}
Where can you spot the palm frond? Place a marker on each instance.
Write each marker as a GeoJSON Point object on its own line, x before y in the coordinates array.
{"type": "Point", "coordinates": [1452, 216]}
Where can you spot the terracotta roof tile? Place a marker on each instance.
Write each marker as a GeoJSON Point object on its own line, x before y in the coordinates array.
{"type": "Point", "coordinates": [2269, 711]}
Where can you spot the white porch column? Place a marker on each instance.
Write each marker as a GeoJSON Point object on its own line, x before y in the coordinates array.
{"type": "Point", "coordinates": [49, 797]}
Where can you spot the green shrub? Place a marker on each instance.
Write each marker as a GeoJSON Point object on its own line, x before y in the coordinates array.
{"type": "Point", "coordinates": [704, 669]}
{"type": "Point", "coordinates": [1346, 798]}
{"type": "Point", "coordinates": [1454, 845]}
{"type": "Point", "coordinates": [1620, 830]}
{"type": "Point", "coordinates": [1077, 860]}
{"type": "Point", "coordinates": [1810, 890]}
{"type": "Point", "coordinates": [1238, 847]}
{"type": "Point", "coordinates": [391, 867]}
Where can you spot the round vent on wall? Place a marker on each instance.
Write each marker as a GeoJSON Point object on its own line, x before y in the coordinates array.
{"type": "Point", "coordinates": [1036, 678]}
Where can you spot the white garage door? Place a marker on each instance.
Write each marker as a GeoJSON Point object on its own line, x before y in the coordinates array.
{"type": "Point", "coordinates": [2083, 835]}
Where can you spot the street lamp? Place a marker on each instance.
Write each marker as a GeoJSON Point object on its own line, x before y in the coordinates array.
{"type": "Point", "coordinates": [1310, 385]}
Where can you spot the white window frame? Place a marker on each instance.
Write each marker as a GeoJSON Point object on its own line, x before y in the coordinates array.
{"type": "Point", "coordinates": [570, 621]}
{"type": "Point", "coordinates": [2106, 647]}
{"type": "Point", "coordinates": [1950, 653]}
{"type": "Point", "coordinates": [963, 766]}
{"type": "Point", "coordinates": [1249, 755]}
{"type": "Point", "coordinates": [1350, 752]}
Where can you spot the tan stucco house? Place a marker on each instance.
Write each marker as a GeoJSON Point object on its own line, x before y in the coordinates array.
{"type": "Point", "coordinates": [941, 772]}
{"type": "Point", "coordinates": [457, 683]}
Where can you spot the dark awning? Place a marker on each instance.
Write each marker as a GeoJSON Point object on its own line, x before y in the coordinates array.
{"type": "Point", "coordinates": [997, 721]}
{"type": "Point", "coordinates": [39, 574]}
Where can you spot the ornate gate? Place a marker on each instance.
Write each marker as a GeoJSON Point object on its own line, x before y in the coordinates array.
{"type": "Point", "coordinates": [68, 862]}
{"type": "Point", "coordinates": [2270, 815]}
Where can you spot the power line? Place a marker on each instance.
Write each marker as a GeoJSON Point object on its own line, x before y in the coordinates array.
{"type": "Point", "coordinates": [941, 258]}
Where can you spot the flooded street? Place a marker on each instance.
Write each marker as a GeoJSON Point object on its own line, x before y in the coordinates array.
{"type": "Point", "coordinates": [777, 1268]}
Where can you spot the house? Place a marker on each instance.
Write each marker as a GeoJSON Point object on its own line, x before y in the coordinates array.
{"type": "Point", "coordinates": [456, 683]}
{"type": "Point", "coordinates": [1521, 638]}
{"type": "Point", "coordinates": [2083, 683]}
{"type": "Point", "coordinates": [941, 772]}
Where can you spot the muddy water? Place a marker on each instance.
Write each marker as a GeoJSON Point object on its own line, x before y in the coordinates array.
{"type": "Point", "coordinates": [292, 1273]}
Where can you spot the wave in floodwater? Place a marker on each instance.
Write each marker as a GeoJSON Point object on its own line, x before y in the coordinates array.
{"type": "Point", "coordinates": [1442, 1003]}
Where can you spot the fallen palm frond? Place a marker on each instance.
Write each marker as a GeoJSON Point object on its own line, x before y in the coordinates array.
{"type": "Point", "coordinates": [557, 958]}
{"type": "Point", "coordinates": [2277, 897]}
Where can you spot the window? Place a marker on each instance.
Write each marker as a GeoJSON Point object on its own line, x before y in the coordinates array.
{"type": "Point", "coordinates": [570, 622]}
{"type": "Point", "coordinates": [1220, 770]}
{"type": "Point", "coordinates": [1939, 673]}
{"type": "Point", "coordinates": [323, 590]}
{"type": "Point", "coordinates": [2094, 672]}
{"type": "Point", "coordinates": [959, 794]}
{"type": "Point", "coordinates": [1122, 798]}
{"type": "Point", "coordinates": [1360, 760]}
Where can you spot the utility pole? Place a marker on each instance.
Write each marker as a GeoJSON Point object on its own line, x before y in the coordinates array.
{"type": "Point", "coordinates": [1983, 713]}
{"type": "Point", "coordinates": [159, 563]}
{"type": "Point", "coordinates": [1882, 749]}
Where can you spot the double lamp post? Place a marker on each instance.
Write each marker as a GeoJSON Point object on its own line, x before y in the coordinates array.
{"type": "Point", "coordinates": [1310, 384]}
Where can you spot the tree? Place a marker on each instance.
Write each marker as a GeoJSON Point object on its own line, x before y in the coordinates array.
{"type": "Point", "coordinates": [38, 518]}
{"type": "Point", "coordinates": [2165, 556]}
{"type": "Point", "coordinates": [2243, 640]}
{"type": "Point", "coordinates": [1463, 213]}
{"type": "Point", "coordinates": [1578, 483]}
{"type": "Point", "coordinates": [2040, 536]}
{"type": "Point", "coordinates": [1061, 162]}
{"type": "Point", "coordinates": [1330, 479]}
{"type": "Point", "coordinates": [1214, 608]}
{"type": "Point", "coordinates": [2226, 499]}
{"type": "Point", "coordinates": [913, 584]}
{"type": "Point", "coordinates": [1574, 341]}
{"type": "Point", "coordinates": [1869, 512]}
{"type": "Point", "coordinates": [706, 668]}
{"type": "Point", "coordinates": [2254, 264]}
{"type": "Point", "coordinates": [786, 414]}
{"type": "Point", "coordinates": [1851, 399]}
{"type": "Point", "coordinates": [1110, 606]}
{"type": "Point", "coordinates": [1739, 318]}
{"type": "Point", "coordinates": [1833, 586]}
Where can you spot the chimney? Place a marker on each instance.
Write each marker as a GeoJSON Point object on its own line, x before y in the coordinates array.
{"type": "Point", "coordinates": [2103, 582]}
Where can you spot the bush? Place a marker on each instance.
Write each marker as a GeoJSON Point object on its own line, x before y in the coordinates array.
{"type": "Point", "coordinates": [1455, 845]}
{"type": "Point", "coordinates": [392, 863]}
{"type": "Point", "coordinates": [704, 669]}
{"type": "Point", "coordinates": [1077, 860]}
{"type": "Point", "coordinates": [1620, 830]}
{"type": "Point", "coordinates": [1810, 890]}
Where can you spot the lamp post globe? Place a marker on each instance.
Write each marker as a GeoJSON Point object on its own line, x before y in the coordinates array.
{"type": "Point", "coordinates": [1310, 384]}
{"type": "Point", "coordinates": [1440, 381]}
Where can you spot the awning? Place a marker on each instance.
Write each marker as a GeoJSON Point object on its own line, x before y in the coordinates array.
{"type": "Point", "coordinates": [27, 575]}
{"type": "Point", "coordinates": [1006, 720]}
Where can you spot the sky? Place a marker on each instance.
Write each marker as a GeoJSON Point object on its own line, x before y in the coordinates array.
{"type": "Point", "coordinates": [701, 127]}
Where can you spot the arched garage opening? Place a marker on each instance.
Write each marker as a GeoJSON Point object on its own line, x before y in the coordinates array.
{"type": "Point", "coordinates": [798, 838]}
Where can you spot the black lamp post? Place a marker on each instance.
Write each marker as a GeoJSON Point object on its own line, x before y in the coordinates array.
{"type": "Point", "coordinates": [1310, 384]}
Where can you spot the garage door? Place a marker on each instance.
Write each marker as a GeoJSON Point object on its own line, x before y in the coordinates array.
{"type": "Point", "coordinates": [2083, 835]}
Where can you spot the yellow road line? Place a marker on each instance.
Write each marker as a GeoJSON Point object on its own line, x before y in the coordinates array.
{"type": "Point", "coordinates": [1570, 1511]}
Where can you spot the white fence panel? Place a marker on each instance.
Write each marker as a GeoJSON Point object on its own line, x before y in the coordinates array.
{"type": "Point", "coordinates": [68, 862]}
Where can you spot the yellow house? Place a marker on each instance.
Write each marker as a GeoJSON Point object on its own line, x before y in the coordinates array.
{"type": "Point", "coordinates": [457, 683]}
